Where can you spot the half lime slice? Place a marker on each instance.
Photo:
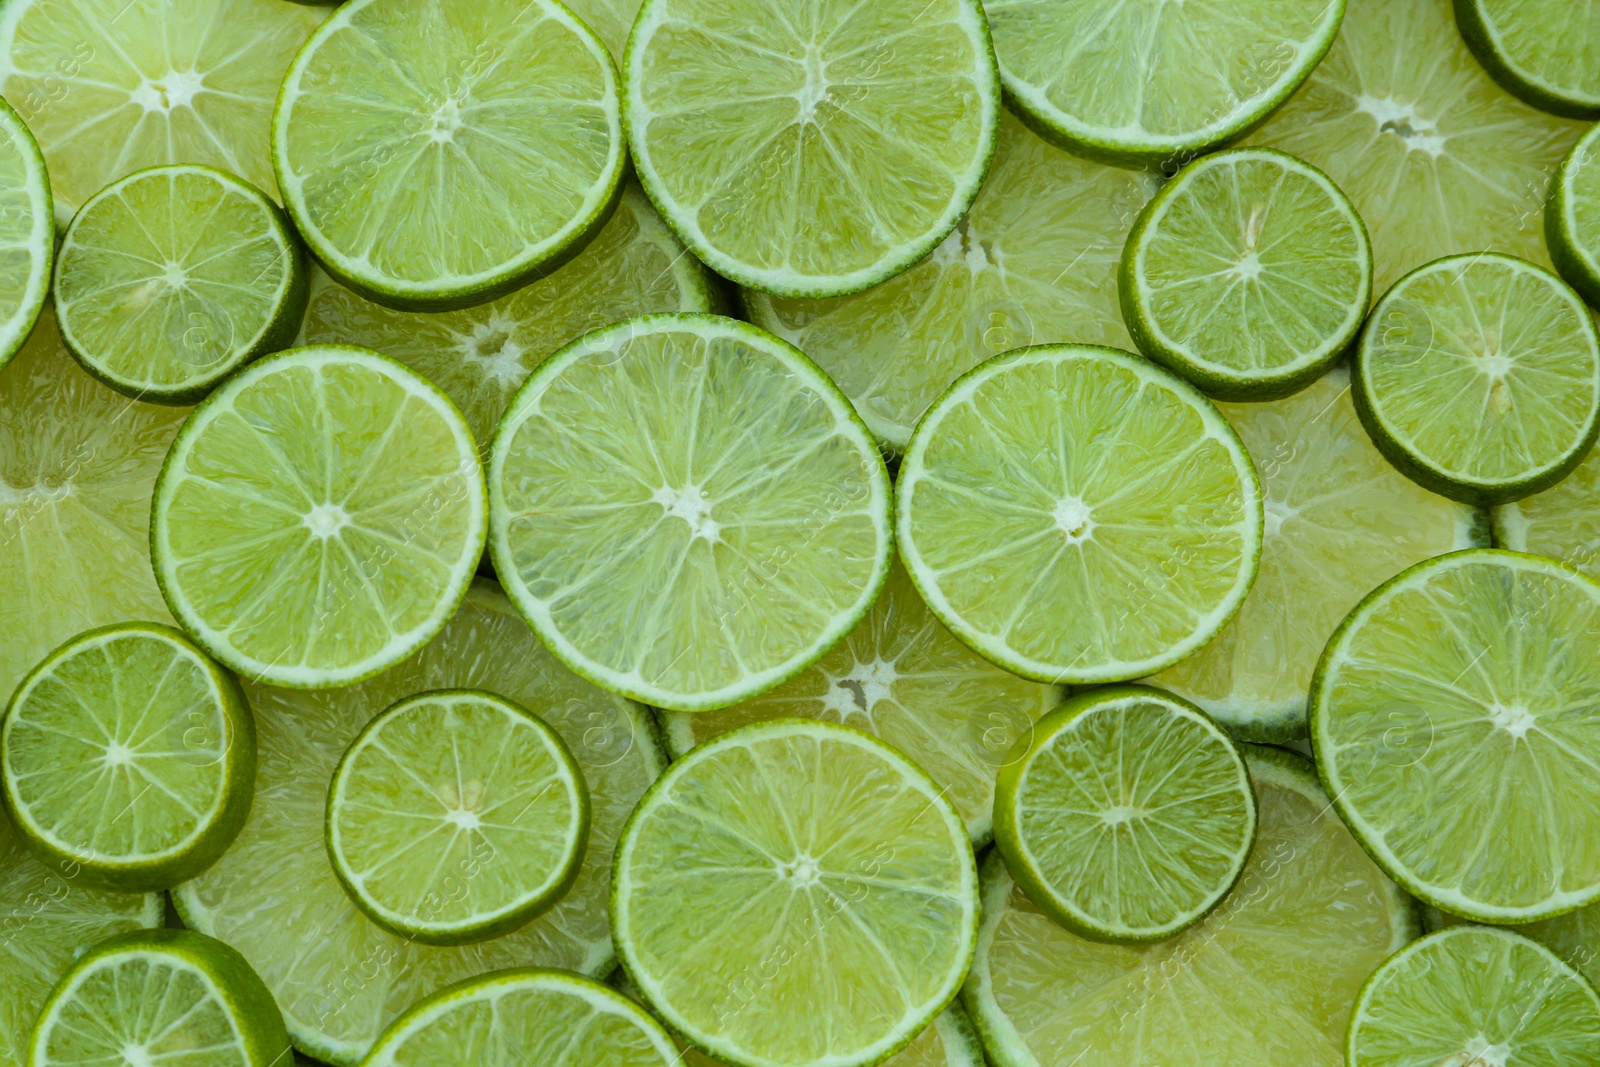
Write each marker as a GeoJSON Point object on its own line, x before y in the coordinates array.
{"type": "Point", "coordinates": [27, 232]}
{"type": "Point", "coordinates": [1563, 522]}
{"type": "Point", "coordinates": [1545, 51]}
{"type": "Point", "coordinates": [1572, 218]}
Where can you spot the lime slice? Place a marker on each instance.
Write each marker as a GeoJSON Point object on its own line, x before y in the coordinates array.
{"type": "Point", "coordinates": [480, 356]}
{"type": "Point", "coordinates": [771, 860]}
{"type": "Point", "coordinates": [1545, 51]}
{"type": "Point", "coordinates": [197, 1000]}
{"type": "Point", "coordinates": [1077, 514]}
{"type": "Point", "coordinates": [436, 156]}
{"type": "Point", "coordinates": [811, 151]}
{"type": "Point", "coordinates": [1434, 155]}
{"type": "Point", "coordinates": [456, 816]}
{"type": "Point", "coordinates": [1479, 378]}
{"type": "Point", "coordinates": [172, 278]}
{"type": "Point", "coordinates": [1469, 995]}
{"type": "Point", "coordinates": [1147, 84]}
{"type": "Point", "coordinates": [1572, 218]}
{"type": "Point", "coordinates": [1266, 980]}
{"type": "Point", "coordinates": [1035, 260]}
{"type": "Point", "coordinates": [901, 677]}
{"type": "Point", "coordinates": [611, 20]}
{"type": "Point", "coordinates": [111, 87]}
{"type": "Point", "coordinates": [27, 232]}
{"type": "Point", "coordinates": [1248, 274]}
{"type": "Point", "coordinates": [340, 978]}
{"type": "Point", "coordinates": [687, 510]}
{"type": "Point", "coordinates": [318, 517]}
{"type": "Point", "coordinates": [1563, 522]}
{"type": "Point", "coordinates": [1451, 720]}
{"type": "Point", "coordinates": [1574, 936]}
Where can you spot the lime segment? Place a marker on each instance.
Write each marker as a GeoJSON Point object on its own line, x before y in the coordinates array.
{"type": "Point", "coordinates": [27, 233]}
{"type": "Point", "coordinates": [1545, 51]}
{"type": "Point", "coordinates": [1572, 218]}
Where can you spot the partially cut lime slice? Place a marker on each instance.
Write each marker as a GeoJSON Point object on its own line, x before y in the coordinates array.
{"type": "Point", "coordinates": [1572, 218]}
{"type": "Point", "coordinates": [27, 232]}
{"type": "Point", "coordinates": [1545, 51]}
{"type": "Point", "coordinates": [1563, 522]}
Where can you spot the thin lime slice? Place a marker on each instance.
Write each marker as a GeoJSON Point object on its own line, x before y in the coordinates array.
{"type": "Point", "coordinates": [1266, 980]}
{"type": "Point", "coordinates": [27, 232]}
{"type": "Point", "coordinates": [1436, 157]}
{"type": "Point", "coordinates": [480, 356]}
{"type": "Point", "coordinates": [1479, 378]}
{"type": "Point", "coordinates": [1545, 51]}
{"type": "Point", "coordinates": [1563, 522]}
{"type": "Point", "coordinates": [340, 978]}
{"type": "Point", "coordinates": [456, 816]}
{"type": "Point", "coordinates": [1034, 261]}
{"type": "Point", "coordinates": [111, 87]}
{"type": "Point", "coordinates": [436, 156]}
{"type": "Point", "coordinates": [903, 678]}
{"type": "Point", "coordinates": [1452, 720]}
{"type": "Point", "coordinates": [611, 20]}
{"type": "Point", "coordinates": [172, 278]}
{"type": "Point", "coordinates": [1248, 274]}
{"type": "Point", "coordinates": [319, 517]}
{"type": "Point", "coordinates": [687, 510]}
{"type": "Point", "coordinates": [1574, 936]}
{"type": "Point", "coordinates": [1077, 514]}
{"type": "Point", "coordinates": [1468, 995]}
{"type": "Point", "coordinates": [1572, 218]}
{"type": "Point", "coordinates": [1147, 84]}
{"type": "Point", "coordinates": [817, 150]}
{"type": "Point", "coordinates": [771, 860]}
{"type": "Point", "coordinates": [156, 997]}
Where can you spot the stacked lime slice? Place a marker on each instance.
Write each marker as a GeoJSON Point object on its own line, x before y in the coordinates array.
{"type": "Point", "coordinates": [610, 20]}
{"type": "Point", "coordinates": [1562, 522]}
{"type": "Point", "coordinates": [1544, 51]}
{"type": "Point", "coordinates": [1572, 218]}
{"type": "Point", "coordinates": [27, 233]}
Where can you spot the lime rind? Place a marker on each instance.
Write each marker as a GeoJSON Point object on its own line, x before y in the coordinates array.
{"type": "Point", "coordinates": [1487, 39]}
{"type": "Point", "coordinates": [1575, 241]}
{"type": "Point", "coordinates": [25, 297]}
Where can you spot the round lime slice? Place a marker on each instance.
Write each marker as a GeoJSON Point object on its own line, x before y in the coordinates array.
{"type": "Point", "coordinates": [27, 232]}
{"type": "Point", "coordinates": [456, 816]}
{"type": "Point", "coordinates": [437, 156]}
{"type": "Point", "coordinates": [812, 151]}
{"type": "Point", "coordinates": [1077, 514]}
{"type": "Point", "coordinates": [1479, 378]}
{"type": "Point", "coordinates": [1573, 935]}
{"type": "Point", "coordinates": [1572, 218]}
{"type": "Point", "coordinates": [1545, 51]}
{"type": "Point", "coordinates": [1450, 715]}
{"type": "Point", "coordinates": [1563, 522]}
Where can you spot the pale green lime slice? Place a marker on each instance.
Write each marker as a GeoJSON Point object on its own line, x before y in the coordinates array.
{"type": "Point", "coordinates": [1574, 936]}
{"type": "Point", "coordinates": [479, 356]}
{"type": "Point", "coordinates": [901, 676]}
{"type": "Point", "coordinates": [611, 20]}
{"type": "Point", "coordinates": [456, 816]}
{"type": "Point", "coordinates": [1339, 520]}
{"type": "Point", "coordinates": [155, 998]}
{"type": "Point", "coordinates": [1545, 51]}
{"type": "Point", "coordinates": [1563, 522]}
{"type": "Point", "coordinates": [437, 156]}
{"type": "Point", "coordinates": [1266, 980]}
{"type": "Point", "coordinates": [27, 232]}
{"type": "Point", "coordinates": [1452, 720]}
{"type": "Point", "coordinates": [1077, 514]}
{"type": "Point", "coordinates": [340, 978]}
{"type": "Point", "coordinates": [1436, 157]}
{"type": "Point", "coordinates": [1469, 995]}
{"type": "Point", "coordinates": [318, 517]}
{"type": "Point", "coordinates": [1146, 84]}
{"type": "Point", "coordinates": [1034, 261]}
{"type": "Point", "coordinates": [1479, 378]}
{"type": "Point", "coordinates": [687, 510]}
{"type": "Point", "coordinates": [811, 150]}
{"type": "Point", "coordinates": [1572, 218]}
{"type": "Point", "coordinates": [812, 845]}
{"type": "Point", "coordinates": [172, 278]}
{"type": "Point", "coordinates": [111, 87]}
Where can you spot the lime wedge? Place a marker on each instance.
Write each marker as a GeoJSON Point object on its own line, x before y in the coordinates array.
{"type": "Point", "coordinates": [811, 151]}
{"type": "Point", "coordinates": [776, 857]}
{"type": "Point", "coordinates": [197, 1000]}
{"type": "Point", "coordinates": [27, 232]}
{"type": "Point", "coordinates": [611, 20]}
{"type": "Point", "coordinates": [1545, 51]}
{"type": "Point", "coordinates": [1248, 274]}
{"type": "Point", "coordinates": [340, 978]}
{"type": "Point", "coordinates": [1469, 995]}
{"type": "Point", "coordinates": [1155, 84]}
{"type": "Point", "coordinates": [1266, 980]}
{"type": "Point", "coordinates": [687, 510]}
{"type": "Point", "coordinates": [1563, 522]}
{"type": "Point", "coordinates": [1077, 514]}
{"type": "Point", "coordinates": [1479, 378]}
{"type": "Point", "coordinates": [456, 816]}
{"type": "Point", "coordinates": [1572, 218]}
{"type": "Point", "coordinates": [1035, 260]}
{"type": "Point", "coordinates": [1451, 718]}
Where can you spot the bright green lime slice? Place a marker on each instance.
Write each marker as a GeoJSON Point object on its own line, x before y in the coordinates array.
{"type": "Point", "coordinates": [27, 232]}
{"type": "Point", "coordinates": [480, 356]}
{"type": "Point", "coordinates": [1468, 995]}
{"type": "Point", "coordinates": [1545, 51]}
{"type": "Point", "coordinates": [1266, 980]}
{"type": "Point", "coordinates": [1479, 377]}
{"type": "Point", "coordinates": [1574, 936]}
{"type": "Point", "coordinates": [1452, 717]}
{"type": "Point", "coordinates": [172, 278]}
{"type": "Point", "coordinates": [809, 843]}
{"type": "Point", "coordinates": [610, 20]}
{"type": "Point", "coordinates": [319, 517]}
{"type": "Point", "coordinates": [340, 978]}
{"type": "Point", "coordinates": [1077, 514]}
{"type": "Point", "coordinates": [1563, 522]}
{"type": "Point", "coordinates": [1248, 274]}
{"type": "Point", "coordinates": [1034, 261]}
{"type": "Point", "coordinates": [1572, 218]}
{"type": "Point", "coordinates": [158, 997]}
{"type": "Point", "coordinates": [456, 816]}
{"type": "Point", "coordinates": [811, 150]}
{"type": "Point", "coordinates": [687, 510]}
